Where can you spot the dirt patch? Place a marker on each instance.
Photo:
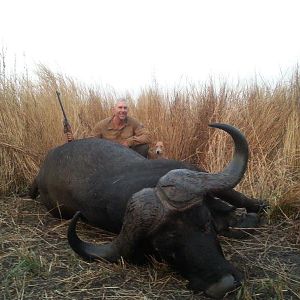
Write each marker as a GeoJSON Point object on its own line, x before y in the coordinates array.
{"type": "Point", "coordinates": [37, 263]}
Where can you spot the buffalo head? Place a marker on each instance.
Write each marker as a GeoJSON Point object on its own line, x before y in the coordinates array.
{"type": "Point", "coordinates": [172, 221]}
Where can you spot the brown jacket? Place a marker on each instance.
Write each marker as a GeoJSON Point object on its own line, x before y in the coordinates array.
{"type": "Point", "coordinates": [133, 132]}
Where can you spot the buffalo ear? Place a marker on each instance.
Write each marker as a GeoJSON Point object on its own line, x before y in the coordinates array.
{"type": "Point", "coordinates": [218, 205]}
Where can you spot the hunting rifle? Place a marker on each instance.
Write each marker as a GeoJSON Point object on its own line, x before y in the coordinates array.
{"type": "Point", "coordinates": [67, 126]}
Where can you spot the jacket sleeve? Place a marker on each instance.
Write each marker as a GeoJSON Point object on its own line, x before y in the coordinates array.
{"type": "Point", "coordinates": [141, 136]}
{"type": "Point", "coordinates": [97, 130]}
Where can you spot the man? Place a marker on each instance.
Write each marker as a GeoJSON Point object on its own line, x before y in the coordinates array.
{"type": "Point", "coordinates": [123, 129]}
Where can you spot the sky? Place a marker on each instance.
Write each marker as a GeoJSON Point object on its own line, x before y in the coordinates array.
{"type": "Point", "coordinates": [129, 44]}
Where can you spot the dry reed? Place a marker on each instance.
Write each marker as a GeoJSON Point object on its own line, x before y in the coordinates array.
{"type": "Point", "coordinates": [31, 124]}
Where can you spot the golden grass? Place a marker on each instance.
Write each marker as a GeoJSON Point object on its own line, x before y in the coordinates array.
{"type": "Point", "coordinates": [31, 124]}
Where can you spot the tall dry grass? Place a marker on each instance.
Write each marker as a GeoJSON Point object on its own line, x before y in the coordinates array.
{"type": "Point", "coordinates": [31, 124]}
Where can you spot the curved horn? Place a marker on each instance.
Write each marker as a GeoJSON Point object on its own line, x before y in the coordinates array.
{"type": "Point", "coordinates": [183, 185]}
{"type": "Point", "coordinates": [89, 251]}
{"type": "Point", "coordinates": [142, 212]}
{"type": "Point", "coordinates": [235, 170]}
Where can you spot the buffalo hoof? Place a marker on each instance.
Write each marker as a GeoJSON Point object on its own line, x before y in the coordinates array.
{"type": "Point", "coordinates": [250, 220]}
{"type": "Point", "coordinates": [224, 285]}
{"type": "Point", "coordinates": [243, 227]}
{"type": "Point", "coordinates": [258, 206]}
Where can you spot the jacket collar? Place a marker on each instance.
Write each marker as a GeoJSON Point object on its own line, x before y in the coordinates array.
{"type": "Point", "coordinates": [111, 126]}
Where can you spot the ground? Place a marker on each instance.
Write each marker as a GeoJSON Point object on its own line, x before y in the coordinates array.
{"type": "Point", "coordinates": [37, 263]}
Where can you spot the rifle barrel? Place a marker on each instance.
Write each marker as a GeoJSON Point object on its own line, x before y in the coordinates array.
{"type": "Point", "coordinates": [61, 106]}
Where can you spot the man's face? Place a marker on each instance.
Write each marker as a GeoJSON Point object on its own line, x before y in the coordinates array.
{"type": "Point", "coordinates": [121, 110]}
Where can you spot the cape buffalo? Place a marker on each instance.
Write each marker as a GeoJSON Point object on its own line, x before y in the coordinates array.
{"type": "Point", "coordinates": [160, 207]}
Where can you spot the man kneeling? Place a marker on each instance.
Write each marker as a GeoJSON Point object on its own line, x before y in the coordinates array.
{"type": "Point", "coordinates": [123, 129]}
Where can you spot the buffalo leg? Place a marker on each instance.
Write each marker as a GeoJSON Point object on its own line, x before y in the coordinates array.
{"type": "Point", "coordinates": [226, 221]}
{"type": "Point", "coordinates": [141, 149]}
{"type": "Point", "coordinates": [57, 211]}
{"type": "Point", "coordinates": [239, 200]}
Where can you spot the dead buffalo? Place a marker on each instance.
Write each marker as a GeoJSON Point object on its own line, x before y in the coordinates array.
{"type": "Point", "coordinates": [159, 207]}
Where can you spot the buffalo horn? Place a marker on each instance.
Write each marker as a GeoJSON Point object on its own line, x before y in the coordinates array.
{"type": "Point", "coordinates": [183, 185]}
{"type": "Point", "coordinates": [89, 251]}
{"type": "Point", "coordinates": [235, 170]}
{"type": "Point", "coordinates": [143, 210]}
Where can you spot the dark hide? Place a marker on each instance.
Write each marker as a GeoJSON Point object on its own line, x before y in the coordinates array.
{"type": "Point", "coordinates": [97, 177]}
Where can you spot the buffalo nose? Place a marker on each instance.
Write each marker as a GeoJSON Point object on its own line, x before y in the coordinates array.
{"type": "Point", "coordinates": [226, 284]}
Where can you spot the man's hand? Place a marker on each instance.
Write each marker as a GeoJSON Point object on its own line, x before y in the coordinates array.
{"type": "Point", "coordinates": [70, 136]}
{"type": "Point", "coordinates": [68, 131]}
{"type": "Point", "coordinates": [125, 143]}
{"type": "Point", "coordinates": [67, 127]}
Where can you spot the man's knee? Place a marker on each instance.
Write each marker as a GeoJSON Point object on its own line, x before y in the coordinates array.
{"type": "Point", "coordinates": [141, 149]}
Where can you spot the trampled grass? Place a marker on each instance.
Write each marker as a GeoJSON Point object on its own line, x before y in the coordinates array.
{"type": "Point", "coordinates": [37, 262]}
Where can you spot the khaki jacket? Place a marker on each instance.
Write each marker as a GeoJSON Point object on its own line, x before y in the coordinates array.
{"type": "Point", "coordinates": [133, 132]}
